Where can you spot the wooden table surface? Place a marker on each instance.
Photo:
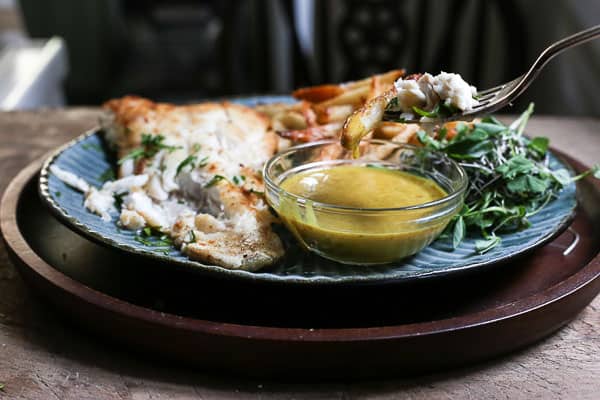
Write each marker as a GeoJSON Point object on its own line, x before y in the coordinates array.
{"type": "Point", "coordinates": [41, 357]}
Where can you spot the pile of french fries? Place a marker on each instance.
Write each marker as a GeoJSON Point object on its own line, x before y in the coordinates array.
{"type": "Point", "coordinates": [321, 111]}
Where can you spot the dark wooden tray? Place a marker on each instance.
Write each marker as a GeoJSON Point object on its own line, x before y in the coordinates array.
{"type": "Point", "coordinates": [302, 332]}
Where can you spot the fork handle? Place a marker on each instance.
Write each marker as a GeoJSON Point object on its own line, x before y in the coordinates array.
{"type": "Point", "coordinates": [555, 49]}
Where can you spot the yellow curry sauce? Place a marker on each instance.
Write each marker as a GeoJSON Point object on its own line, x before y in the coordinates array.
{"type": "Point", "coordinates": [361, 237]}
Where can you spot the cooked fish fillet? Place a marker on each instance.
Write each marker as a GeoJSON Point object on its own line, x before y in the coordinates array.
{"type": "Point", "coordinates": [204, 187]}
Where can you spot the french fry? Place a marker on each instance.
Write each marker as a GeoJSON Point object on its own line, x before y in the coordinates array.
{"type": "Point", "coordinates": [364, 120]}
{"type": "Point", "coordinates": [324, 108]}
{"type": "Point", "coordinates": [321, 93]}
{"type": "Point", "coordinates": [317, 94]}
{"type": "Point", "coordinates": [272, 109]}
{"type": "Point", "coordinates": [389, 130]}
{"type": "Point", "coordinates": [386, 78]}
{"type": "Point", "coordinates": [395, 131]}
{"type": "Point", "coordinates": [333, 113]}
{"type": "Point", "coordinates": [354, 97]}
{"type": "Point", "coordinates": [312, 133]}
{"type": "Point", "coordinates": [288, 120]}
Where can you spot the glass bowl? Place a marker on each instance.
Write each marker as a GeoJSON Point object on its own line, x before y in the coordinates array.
{"type": "Point", "coordinates": [364, 236]}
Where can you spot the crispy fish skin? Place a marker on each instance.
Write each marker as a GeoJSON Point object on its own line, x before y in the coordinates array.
{"type": "Point", "coordinates": [230, 225]}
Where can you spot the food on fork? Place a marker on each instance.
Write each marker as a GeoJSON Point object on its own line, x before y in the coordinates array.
{"type": "Point", "coordinates": [431, 96]}
{"type": "Point", "coordinates": [421, 96]}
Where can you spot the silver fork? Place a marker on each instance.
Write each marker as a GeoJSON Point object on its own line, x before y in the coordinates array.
{"type": "Point", "coordinates": [493, 99]}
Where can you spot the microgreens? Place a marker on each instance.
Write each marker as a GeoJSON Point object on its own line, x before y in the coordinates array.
{"type": "Point", "coordinates": [509, 177]}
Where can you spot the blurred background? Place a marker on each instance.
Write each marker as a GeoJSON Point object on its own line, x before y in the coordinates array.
{"type": "Point", "coordinates": [82, 52]}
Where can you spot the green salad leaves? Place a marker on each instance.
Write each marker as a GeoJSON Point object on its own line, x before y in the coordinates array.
{"type": "Point", "coordinates": [510, 179]}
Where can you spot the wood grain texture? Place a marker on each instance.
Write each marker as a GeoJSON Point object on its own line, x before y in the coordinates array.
{"type": "Point", "coordinates": [42, 357]}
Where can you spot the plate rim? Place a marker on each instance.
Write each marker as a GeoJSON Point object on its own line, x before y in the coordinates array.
{"type": "Point", "coordinates": [217, 271]}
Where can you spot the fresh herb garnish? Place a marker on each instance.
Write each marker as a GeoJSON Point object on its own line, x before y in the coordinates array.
{"type": "Point", "coordinates": [238, 180]}
{"type": "Point", "coordinates": [203, 162]}
{"type": "Point", "coordinates": [135, 155]}
{"type": "Point", "coordinates": [151, 144]}
{"type": "Point", "coordinates": [214, 180]}
{"type": "Point", "coordinates": [107, 175]}
{"type": "Point", "coordinates": [441, 110]}
{"type": "Point", "coordinates": [57, 193]}
{"type": "Point", "coordinates": [190, 160]}
{"type": "Point", "coordinates": [119, 199]}
{"type": "Point", "coordinates": [509, 177]}
{"type": "Point", "coordinates": [153, 237]}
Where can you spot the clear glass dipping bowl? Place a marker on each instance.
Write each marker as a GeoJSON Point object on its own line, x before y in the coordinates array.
{"type": "Point", "coordinates": [364, 236]}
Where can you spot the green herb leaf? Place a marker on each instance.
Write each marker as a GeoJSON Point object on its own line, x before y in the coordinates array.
{"type": "Point", "coordinates": [151, 144]}
{"type": "Point", "coordinates": [119, 199]}
{"type": "Point", "coordinates": [214, 180]}
{"type": "Point", "coordinates": [108, 175]}
{"type": "Point", "coordinates": [441, 134]}
{"type": "Point", "coordinates": [528, 184]}
{"type": "Point", "coordinates": [428, 141]}
{"type": "Point", "coordinates": [447, 109]}
{"type": "Point", "coordinates": [515, 166]}
{"type": "Point", "coordinates": [153, 237]}
{"type": "Point", "coordinates": [519, 124]}
{"type": "Point", "coordinates": [57, 193]}
{"type": "Point", "coordinates": [459, 232]}
{"type": "Point", "coordinates": [238, 180]}
{"type": "Point", "coordinates": [562, 176]}
{"type": "Point", "coordinates": [492, 120]}
{"type": "Point", "coordinates": [491, 128]}
{"type": "Point", "coordinates": [203, 162]}
{"type": "Point", "coordinates": [392, 105]}
{"type": "Point", "coordinates": [135, 155]}
{"type": "Point", "coordinates": [539, 144]}
{"type": "Point", "coordinates": [483, 246]}
{"type": "Point", "coordinates": [428, 114]}
{"type": "Point", "coordinates": [190, 160]}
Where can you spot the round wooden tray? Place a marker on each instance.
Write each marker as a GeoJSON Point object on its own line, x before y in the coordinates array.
{"type": "Point", "coordinates": [302, 332]}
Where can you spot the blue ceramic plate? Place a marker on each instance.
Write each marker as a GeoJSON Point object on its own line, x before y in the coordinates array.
{"type": "Point", "coordinates": [88, 157]}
